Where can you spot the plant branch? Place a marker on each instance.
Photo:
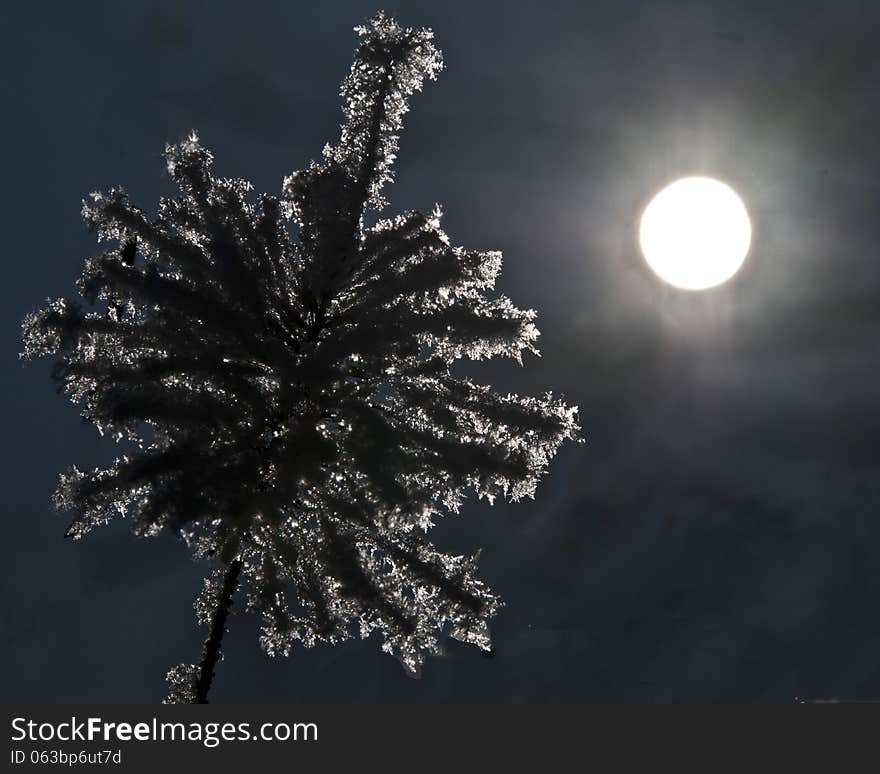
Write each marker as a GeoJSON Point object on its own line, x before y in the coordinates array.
{"type": "Point", "coordinates": [211, 651]}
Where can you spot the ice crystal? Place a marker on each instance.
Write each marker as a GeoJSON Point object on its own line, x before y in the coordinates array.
{"type": "Point", "coordinates": [182, 684]}
{"type": "Point", "coordinates": [290, 402]}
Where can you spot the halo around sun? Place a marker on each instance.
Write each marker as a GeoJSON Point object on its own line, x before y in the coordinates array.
{"type": "Point", "coordinates": [695, 233]}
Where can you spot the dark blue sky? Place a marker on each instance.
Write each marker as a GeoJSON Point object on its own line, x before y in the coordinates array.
{"type": "Point", "coordinates": [715, 540]}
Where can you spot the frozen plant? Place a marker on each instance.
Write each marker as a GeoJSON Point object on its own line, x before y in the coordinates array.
{"type": "Point", "coordinates": [279, 372]}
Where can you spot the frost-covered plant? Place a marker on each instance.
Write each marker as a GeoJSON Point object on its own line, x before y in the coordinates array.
{"type": "Point", "coordinates": [288, 402]}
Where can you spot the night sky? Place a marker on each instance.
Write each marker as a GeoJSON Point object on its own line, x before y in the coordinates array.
{"type": "Point", "coordinates": [716, 537]}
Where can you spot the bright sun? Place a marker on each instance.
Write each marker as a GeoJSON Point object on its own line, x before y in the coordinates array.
{"type": "Point", "coordinates": [695, 233]}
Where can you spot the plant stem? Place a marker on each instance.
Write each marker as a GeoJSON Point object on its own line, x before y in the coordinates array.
{"type": "Point", "coordinates": [211, 651]}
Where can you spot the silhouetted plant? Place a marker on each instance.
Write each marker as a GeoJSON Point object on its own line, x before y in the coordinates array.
{"type": "Point", "coordinates": [289, 402]}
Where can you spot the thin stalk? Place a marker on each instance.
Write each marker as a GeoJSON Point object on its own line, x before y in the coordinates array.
{"type": "Point", "coordinates": [211, 651]}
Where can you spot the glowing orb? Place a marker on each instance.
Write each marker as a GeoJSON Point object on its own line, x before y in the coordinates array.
{"type": "Point", "coordinates": [695, 233]}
